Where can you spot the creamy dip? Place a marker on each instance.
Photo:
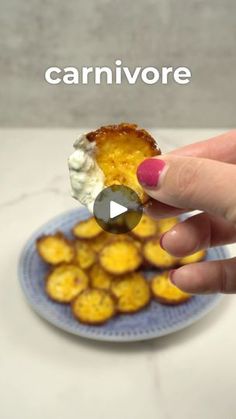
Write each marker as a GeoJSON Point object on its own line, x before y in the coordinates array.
{"type": "Point", "coordinates": [87, 179]}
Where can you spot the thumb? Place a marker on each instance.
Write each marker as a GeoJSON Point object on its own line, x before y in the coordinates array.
{"type": "Point", "coordinates": [190, 182]}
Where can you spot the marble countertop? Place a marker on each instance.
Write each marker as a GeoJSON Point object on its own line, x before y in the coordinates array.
{"type": "Point", "coordinates": [46, 373]}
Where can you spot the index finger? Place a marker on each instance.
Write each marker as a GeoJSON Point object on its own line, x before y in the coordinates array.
{"type": "Point", "coordinates": [222, 148]}
{"type": "Point", "coordinates": [157, 209]}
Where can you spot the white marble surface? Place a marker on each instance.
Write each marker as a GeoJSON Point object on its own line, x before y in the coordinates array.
{"type": "Point", "coordinates": [46, 373]}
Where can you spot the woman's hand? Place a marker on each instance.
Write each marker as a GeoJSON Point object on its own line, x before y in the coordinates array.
{"type": "Point", "coordinates": [200, 176]}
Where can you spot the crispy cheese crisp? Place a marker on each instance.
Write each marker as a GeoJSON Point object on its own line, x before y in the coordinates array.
{"type": "Point", "coordinates": [165, 224]}
{"type": "Point", "coordinates": [55, 249]}
{"type": "Point", "coordinates": [87, 229]}
{"type": "Point", "coordinates": [195, 257]}
{"type": "Point", "coordinates": [119, 151]}
{"type": "Point", "coordinates": [125, 236]}
{"type": "Point", "coordinates": [156, 256]}
{"type": "Point", "coordinates": [99, 242]}
{"type": "Point", "coordinates": [120, 257]}
{"type": "Point", "coordinates": [94, 307]}
{"type": "Point", "coordinates": [132, 292]}
{"type": "Point", "coordinates": [165, 292]}
{"type": "Point", "coordinates": [84, 254]}
{"type": "Point", "coordinates": [145, 229]}
{"type": "Point", "coordinates": [99, 278]}
{"type": "Point", "coordinates": [65, 282]}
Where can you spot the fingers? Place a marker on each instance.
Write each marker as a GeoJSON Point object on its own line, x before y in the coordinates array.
{"type": "Point", "coordinates": [222, 148]}
{"type": "Point", "coordinates": [190, 182]}
{"type": "Point", "coordinates": [198, 232]}
{"type": "Point", "coordinates": [156, 209]}
{"type": "Point", "coordinates": [207, 277]}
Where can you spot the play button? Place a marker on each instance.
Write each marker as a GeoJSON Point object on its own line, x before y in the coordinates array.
{"type": "Point", "coordinates": [117, 209]}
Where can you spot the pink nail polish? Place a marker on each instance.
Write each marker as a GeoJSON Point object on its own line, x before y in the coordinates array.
{"type": "Point", "coordinates": [149, 172]}
{"type": "Point", "coordinates": [171, 274]}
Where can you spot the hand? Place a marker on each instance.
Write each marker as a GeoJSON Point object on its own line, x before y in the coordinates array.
{"type": "Point", "coordinates": [200, 176]}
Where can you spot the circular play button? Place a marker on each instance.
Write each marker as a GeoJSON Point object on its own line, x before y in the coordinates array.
{"type": "Point", "coordinates": [117, 209]}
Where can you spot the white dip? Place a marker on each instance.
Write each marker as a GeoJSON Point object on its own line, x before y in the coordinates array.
{"type": "Point", "coordinates": [87, 179]}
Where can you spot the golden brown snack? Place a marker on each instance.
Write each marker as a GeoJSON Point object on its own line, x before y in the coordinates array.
{"type": "Point", "coordinates": [99, 278]}
{"type": "Point", "coordinates": [94, 307]}
{"type": "Point", "coordinates": [195, 257]}
{"type": "Point", "coordinates": [65, 282]}
{"type": "Point", "coordinates": [120, 257]}
{"type": "Point", "coordinates": [125, 236]}
{"type": "Point", "coordinates": [165, 292]}
{"type": "Point", "coordinates": [138, 244]}
{"type": "Point", "coordinates": [87, 229]}
{"type": "Point", "coordinates": [156, 256]}
{"type": "Point", "coordinates": [166, 224]}
{"type": "Point", "coordinates": [99, 242]}
{"type": "Point", "coordinates": [119, 237]}
{"type": "Point", "coordinates": [84, 254]}
{"type": "Point", "coordinates": [132, 291]}
{"type": "Point", "coordinates": [119, 151]}
{"type": "Point", "coordinates": [145, 229]}
{"type": "Point", "coordinates": [55, 249]}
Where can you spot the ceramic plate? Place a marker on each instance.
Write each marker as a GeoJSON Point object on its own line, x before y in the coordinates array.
{"type": "Point", "coordinates": [156, 320]}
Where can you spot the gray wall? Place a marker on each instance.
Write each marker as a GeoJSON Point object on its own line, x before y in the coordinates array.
{"type": "Point", "coordinates": [37, 34]}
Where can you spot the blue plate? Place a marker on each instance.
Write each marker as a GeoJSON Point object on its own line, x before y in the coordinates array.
{"type": "Point", "coordinates": [156, 320]}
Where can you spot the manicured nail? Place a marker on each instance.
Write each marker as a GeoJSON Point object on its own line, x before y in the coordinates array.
{"type": "Point", "coordinates": [161, 240]}
{"type": "Point", "coordinates": [171, 276]}
{"type": "Point", "coordinates": [149, 172]}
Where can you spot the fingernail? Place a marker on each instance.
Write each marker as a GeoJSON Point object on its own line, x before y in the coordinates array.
{"type": "Point", "coordinates": [149, 172]}
{"type": "Point", "coordinates": [171, 276]}
{"type": "Point", "coordinates": [161, 240]}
